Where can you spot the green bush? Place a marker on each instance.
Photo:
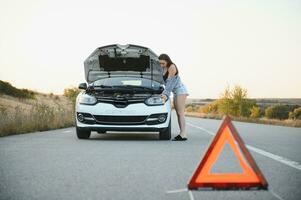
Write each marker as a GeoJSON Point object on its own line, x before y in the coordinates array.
{"type": "Point", "coordinates": [234, 102]}
{"type": "Point", "coordinates": [255, 112]}
{"type": "Point", "coordinates": [296, 114]}
{"type": "Point", "coordinates": [279, 111]}
{"type": "Point", "coordinates": [189, 109]}
{"type": "Point", "coordinates": [209, 108]}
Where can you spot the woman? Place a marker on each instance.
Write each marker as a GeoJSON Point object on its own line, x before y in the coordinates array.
{"type": "Point", "coordinates": [173, 84]}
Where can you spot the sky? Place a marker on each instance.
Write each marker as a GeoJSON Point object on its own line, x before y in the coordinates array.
{"type": "Point", "coordinates": [255, 44]}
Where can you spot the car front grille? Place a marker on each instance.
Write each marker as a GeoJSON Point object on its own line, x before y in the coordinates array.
{"type": "Point", "coordinates": [122, 119]}
{"type": "Point", "coordinates": [128, 120]}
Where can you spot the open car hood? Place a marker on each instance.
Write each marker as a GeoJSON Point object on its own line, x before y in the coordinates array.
{"type": "Point", "coordinates": [123, 60]}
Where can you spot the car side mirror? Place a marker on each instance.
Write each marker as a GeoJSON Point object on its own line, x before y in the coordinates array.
{"type": "Point", "coordinates": [83, 86]}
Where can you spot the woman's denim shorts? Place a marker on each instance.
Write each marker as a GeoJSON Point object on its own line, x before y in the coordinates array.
{"type": "Point", "coordinates": [181, 89]}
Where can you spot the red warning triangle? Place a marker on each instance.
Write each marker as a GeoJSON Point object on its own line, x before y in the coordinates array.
{"type": "Point", "coordinates": [250, 177]}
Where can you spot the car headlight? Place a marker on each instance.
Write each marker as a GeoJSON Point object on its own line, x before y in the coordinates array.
{"type": "Point", "coordinates": [87, 99]}
{"type": "Point", "coordinates": [154, 100]}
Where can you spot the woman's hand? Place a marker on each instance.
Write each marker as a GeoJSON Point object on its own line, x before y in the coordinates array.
{"type": "Point", "coordinates": [164, 97]}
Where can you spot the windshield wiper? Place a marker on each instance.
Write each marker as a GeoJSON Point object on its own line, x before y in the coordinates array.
{"type": "Point", "coordinates": [128, 87]}
{"type": "Point", "coordinates": [99, 87]}
{"type": "Point", "coordinates": [114, 87]}
{"type": "Point", "coordinates": [103, 86]}
{"type": "Point", "coordinates": [138, 87]}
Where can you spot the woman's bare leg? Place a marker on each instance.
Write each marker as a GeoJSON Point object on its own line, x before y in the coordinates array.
{"type": "Point", "coordinates": [179, 103]}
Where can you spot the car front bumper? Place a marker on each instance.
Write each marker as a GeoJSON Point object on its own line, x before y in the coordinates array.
{"type": "Point", "coordinates": [134, 117]}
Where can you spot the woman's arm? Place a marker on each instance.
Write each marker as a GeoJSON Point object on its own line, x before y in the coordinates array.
{"type": "Point", "coordinates": [170, 84]}
{"type": "Point", "coordinates": [171, 80]}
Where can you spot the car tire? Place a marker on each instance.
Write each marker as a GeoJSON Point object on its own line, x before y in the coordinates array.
{"type": "Point", "coordinates": [165, 134]}
{"type": "Point", "coordinates": [83, 133]}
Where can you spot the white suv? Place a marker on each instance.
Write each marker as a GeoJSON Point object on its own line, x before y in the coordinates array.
{"type": "Point", "coordinates": [123, 93]}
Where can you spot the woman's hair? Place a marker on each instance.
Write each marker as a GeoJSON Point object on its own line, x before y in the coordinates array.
{"type": "Point", "coordinates": [165, 57]}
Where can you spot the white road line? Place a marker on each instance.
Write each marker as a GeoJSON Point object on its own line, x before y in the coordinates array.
{"type": "Point", "coordinates": [276, 195]}
{"type": "Point", "coordinates": [281, 159]}
{"type": "Point", "coordinates": [190, 195]}
{"type": "Point", "coordinates": [275, 157]}
{"type": "Point", "coordinates": [68, 131]}
{"type": "Point", "coordinates": [177, 190]}
{"type": "Point", "coordinates": [201, 128]}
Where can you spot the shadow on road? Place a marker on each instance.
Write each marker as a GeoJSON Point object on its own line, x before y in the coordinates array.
{"type": "Point", "coordinates": [124, 136]}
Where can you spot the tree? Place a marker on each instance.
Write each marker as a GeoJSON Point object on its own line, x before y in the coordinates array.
{"type": "Point", "coordinates": [235, 102]}
{"type": "Point", "coordinates": [255, 112]}
{"type": "Point", "coordinates": [225, 102]}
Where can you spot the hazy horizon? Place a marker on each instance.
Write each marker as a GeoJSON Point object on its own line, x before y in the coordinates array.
{"type": "Point", "coordinates": [255, 44]}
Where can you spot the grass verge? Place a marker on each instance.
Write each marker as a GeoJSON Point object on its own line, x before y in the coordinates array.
{"type": "Point", "coordinates": [44, 112]}
{"type": "Point", "coordinates": [287, 122]}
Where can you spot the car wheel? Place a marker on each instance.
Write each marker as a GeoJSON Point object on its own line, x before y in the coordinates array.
{"type": "Point", "coordinates": [165, 134]}
{"type": "Point", "coordinates": [83, 133]}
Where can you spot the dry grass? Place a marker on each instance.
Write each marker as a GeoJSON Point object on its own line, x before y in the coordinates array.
{"type": "Point", "coordinates": [287, 122]}
{"type": "Point", "coordinates": [45, 112]}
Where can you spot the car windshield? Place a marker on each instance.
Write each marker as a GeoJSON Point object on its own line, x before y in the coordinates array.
{"type": "Point", "coordinates": [127, 81]}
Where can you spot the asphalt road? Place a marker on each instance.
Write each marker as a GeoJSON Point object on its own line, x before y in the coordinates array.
{"type": "Point", "coordinates": [56, 165]}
